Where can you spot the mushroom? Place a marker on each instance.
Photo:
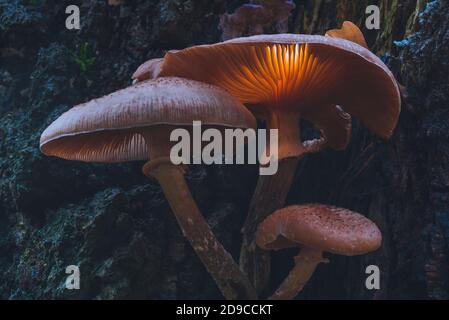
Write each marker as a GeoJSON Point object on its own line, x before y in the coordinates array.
{"type": "Point", "coordinates": [135, 123]}
{"type": "Point", "coordinates": [283, 78]}
{"type": "Point", "coordinates": [148, 70]}
{"type": "Point", "coordinates": [349, 31]}
{"type": "Point", "coordinates": [254, 18]}
{"type": "Point", "coordinates": [315, 228]}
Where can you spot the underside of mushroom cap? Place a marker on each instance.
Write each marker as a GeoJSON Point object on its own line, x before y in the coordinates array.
{"type": "Point", "coordinates": [322, 227]}
{"type": "Point", "coordinates": [296, 73]}
{"type": "Point", "coordinates": [107, 129]}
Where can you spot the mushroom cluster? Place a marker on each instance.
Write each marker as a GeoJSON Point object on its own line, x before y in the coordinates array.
{"type": "Point", "coordinates": [277, 79]}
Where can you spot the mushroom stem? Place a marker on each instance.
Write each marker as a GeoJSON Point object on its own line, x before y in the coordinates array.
{"type": "Point", "coordinates": [305, 264]}
{"type": "Point", "coordinates": [232, 283]}
{"type": "Point", "coordinates": [270, 194]}
{"type": "Point", "coordinates": [289, 140]}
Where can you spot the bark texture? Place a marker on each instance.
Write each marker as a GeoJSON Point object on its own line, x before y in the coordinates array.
{"type": "Point", "coordinates": [117, 227]}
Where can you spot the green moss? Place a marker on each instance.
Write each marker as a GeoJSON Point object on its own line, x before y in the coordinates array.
{"type": "Point", "coordinates": [83, 59]}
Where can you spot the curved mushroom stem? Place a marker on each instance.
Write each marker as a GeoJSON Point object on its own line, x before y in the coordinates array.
{"type": "Point", "coordinates": [305, 264]}
{"type": "Point", "coordinates": [232, 283]}
{"type": "Point", "coordinates": [270, 194]}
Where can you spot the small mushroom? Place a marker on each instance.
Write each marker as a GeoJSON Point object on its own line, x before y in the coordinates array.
{"type": "Point", "coordinates": [315, 228]}
{"type": "Point", "coordinates": [135, 124]}
{"type": "Point", "coordinates": [256, 17]}
{"type": "Point", "coordinates": [148, 70]}
{"type": "Point", "coordinates": [283, 78]}
{"type": "Point", "coordinates": [349, 31]}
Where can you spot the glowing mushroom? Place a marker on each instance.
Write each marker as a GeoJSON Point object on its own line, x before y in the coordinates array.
{"type": "Point", "coordinates": [135, 124]}
{"type": "Point", "coordinates": [283, 78]}
{"type": "Point", "coordinates": [315, 228]}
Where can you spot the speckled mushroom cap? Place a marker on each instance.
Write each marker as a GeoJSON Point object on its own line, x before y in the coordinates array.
{"type": "Point", "coordinates": [296, 73]}
{"type": "Point", "coordinates": [326, 228]}
{"type": "Point", "coordinates": [108, 129]}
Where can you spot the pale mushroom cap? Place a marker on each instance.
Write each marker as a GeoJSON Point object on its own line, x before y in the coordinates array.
{"type": "Point", "coordinates": [148, 70]}
{"type": "Point", "coordinates": [296, 73]}
{"type": "Point", "coordinates": [326, 228]}
{"type": "Point", "coordinates": [106, 129]}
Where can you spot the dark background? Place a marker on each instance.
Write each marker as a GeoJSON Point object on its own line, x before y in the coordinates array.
{"type": "Point", "coordinates": [116, 225]}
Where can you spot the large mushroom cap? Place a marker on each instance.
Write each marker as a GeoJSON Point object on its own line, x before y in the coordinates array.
{"type": "Point", "coordinates": [302, 72]}
{"type": "Point", "coordinates": [320, 227]}
{"type": "Point", "coordinates": [107, 129]}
